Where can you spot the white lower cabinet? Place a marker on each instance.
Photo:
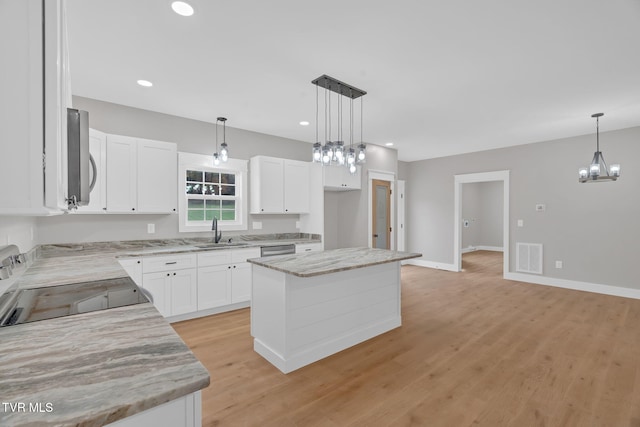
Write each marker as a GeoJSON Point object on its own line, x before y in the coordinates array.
{"type": "Point", "coordinates": [224, 277]}
{"type": "Point", "coordinates": [214, 286]}
{"type": "Point", "coordinates": [189, 285]}
{"type": "Point", "coordinates": [185, 411]}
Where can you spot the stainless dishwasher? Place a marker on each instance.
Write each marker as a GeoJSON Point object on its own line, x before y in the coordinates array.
{"type": "Point", "coordinates": [266, 251]}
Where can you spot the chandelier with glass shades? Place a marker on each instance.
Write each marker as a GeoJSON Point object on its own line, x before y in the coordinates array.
{"type": "Point", "coordinates": [598, 171]}
{"type": "Point", "coordinates": [222, 152]}
{"type": "Point", "coordinates": [335, 151]}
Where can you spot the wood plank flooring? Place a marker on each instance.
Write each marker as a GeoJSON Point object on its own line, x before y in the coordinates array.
{"type": "Point", "coordinates": [474, 350]}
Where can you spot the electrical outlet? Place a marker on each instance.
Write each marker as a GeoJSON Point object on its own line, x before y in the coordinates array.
{"type": "Point", "coordinates": [520, 223]}
{"type": "Point", "coordinates": [151, 228]}
{"type": "Point", "coordinates": [298, 225]}
{"type": "Point", "coordinates": [540, 208]}
{"type": "Point", "coordinates": [257, 225]}
{"type": "Point", "coordinates": [558, 264]}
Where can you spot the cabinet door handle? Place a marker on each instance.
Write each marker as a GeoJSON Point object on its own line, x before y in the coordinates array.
{"type": "Point", "coordinates": [138, 262]}
{"type": "Point", "coordinates": [174, 274]}
{"type": "Point", "coordinates": [307, 250]}
{"type": "Point", "coordinates": [133, 209]}
{"type": "Point", "coordinates": [172, 262]}
{"type": "Point", "coordinates": [234, 266]}
{"type": "Point", "coordinates": [168, 274]}
{"type": "Point", "coordinates": [229, 267]}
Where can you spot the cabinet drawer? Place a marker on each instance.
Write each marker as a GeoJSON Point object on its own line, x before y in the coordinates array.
{"type": "Point", "coordinates": [217, 257]}
{"type": "Point", "coordinates": [168, 262]}
{"type": "Point", "coordinates": [241, 255]}
{"type": "Point", "coordinates": [308, 247]}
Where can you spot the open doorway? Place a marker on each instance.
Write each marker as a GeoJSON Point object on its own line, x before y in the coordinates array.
{"type": "Point", "coordinates": [460, 180]}
{"type": "Point", "coordinates": [482, 217]}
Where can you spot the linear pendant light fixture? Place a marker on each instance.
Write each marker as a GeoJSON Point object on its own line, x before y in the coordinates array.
{"type": "Point", "coordinates": [598, 171]}
{"type": "Point", "coordinates": [335, 151]}
{"type": "Point", "coordinates": [223, 154]}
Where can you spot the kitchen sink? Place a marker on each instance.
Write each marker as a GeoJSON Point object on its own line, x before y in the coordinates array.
{"type": "Point", "coordinates": [220, 245]}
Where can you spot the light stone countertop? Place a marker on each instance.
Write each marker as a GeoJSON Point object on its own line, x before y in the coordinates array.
{"type": "Point", "coordinates": [95, 368]}
{"type": "Point", "coordinates": [311, 264]}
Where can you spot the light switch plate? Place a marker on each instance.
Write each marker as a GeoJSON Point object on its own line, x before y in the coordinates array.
{"type": "Point", "coordinates": [520, 223]}
{"type": "Point", "coordinates": [558, 264]}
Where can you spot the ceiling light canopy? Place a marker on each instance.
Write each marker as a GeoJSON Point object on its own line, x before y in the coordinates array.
{"type": "Point", "coordinates": [304, 123]}
{"type": "Point", "coordinates": [221, 155]}
{"type": "Point", "coordinates": [334, 151]}
{"type": "Point", "coordinates": [598, 170]}
{"type": "Point", "coordinates": [145, 83]}
{"type": "Point", "coordinates": [182, 8]}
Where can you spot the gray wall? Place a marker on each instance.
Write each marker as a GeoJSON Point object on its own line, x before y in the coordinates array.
{"type": "Point", "coordinates": [591, 227]}
{"type": "Point", "coordinates": [331, 219]}
{"type": "Point", "coordinates": [191, 136]}
{"type": "Point", "coordinates": [353, 206]}
{"type": "Point", "coordinates": [482, 206]}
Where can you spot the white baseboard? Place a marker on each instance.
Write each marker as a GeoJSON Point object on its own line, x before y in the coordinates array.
{"type": "Point", "coordinates": [432, 264]}
{"type": "Point", "coordinates": [208, 312]}
{"type": "Point", "coordinates": [575, 285]}
{"type": "Point", "coordinates": [483, 248]}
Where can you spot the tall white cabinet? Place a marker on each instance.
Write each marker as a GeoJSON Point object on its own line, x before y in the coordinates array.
{"type": "Point", "coordinates": [34, 95]}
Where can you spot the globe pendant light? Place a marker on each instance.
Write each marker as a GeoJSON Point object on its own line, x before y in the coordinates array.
{"type": "Point", "coordinates": [598, 171]}
{"type": "Point", "coordinates": [223, 154]}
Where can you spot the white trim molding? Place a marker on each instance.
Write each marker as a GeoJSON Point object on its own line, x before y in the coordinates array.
{"type": "Point", "coordinates": [482, 248]}
{"type": "Point", "coordinates": [457, 212]}
{"type": "Point", "coordinates": [384, 176]}
{"type": "Point", "coordinates": [597, 288]}
{"type": "Point", "coordinates": [430, 264]}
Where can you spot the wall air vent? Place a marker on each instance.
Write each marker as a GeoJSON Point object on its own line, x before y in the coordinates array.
{"type": "Point", "coordinates": [529, 258]}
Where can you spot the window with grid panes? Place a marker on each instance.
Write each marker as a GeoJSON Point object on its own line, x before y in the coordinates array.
{"type": "Point", "coordinates": [211, 194]}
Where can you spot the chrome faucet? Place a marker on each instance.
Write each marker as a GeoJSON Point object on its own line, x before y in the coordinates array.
{"type": "Point", "coordinates": [217, 235]}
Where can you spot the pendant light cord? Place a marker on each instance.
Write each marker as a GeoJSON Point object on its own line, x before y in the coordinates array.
{"type": "Point", "coordinates": [598, 134]}
{"type": "Point", "coordinates": [316, 112]}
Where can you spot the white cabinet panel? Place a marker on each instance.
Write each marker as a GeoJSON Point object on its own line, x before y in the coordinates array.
{"type": "Point", "coordinates": [185, 411]}
{"type": "Point", "coordinates": [267, 191]}
{"type": "Point", "coordinates": [242, 255]}
{"type": "Point", "coordinates": [241, 282]}
{"type": "Point", "coordinates": [279, 186]}
{"type": "Point", "coordinates": [157, 176]}
{"type": "Point", "coordinates": [133, 267]}
{"type": "Point", "coordinates": [338, 178]}
{"type": "Point", "coordinates": [218, 257]}
{"type": "Point", "coordinates": [296, 187]}
{"type": "Point", "coordinates": [214, 286]}
{"type": "Point", "coordinates": [184, 291]}
{"type": "Point", "coordinates": [158, 286]}
{"type": "Point", "coordinates": [121, 173]}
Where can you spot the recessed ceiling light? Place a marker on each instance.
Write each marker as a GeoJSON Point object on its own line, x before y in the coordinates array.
{"type": "Point", "coordinates": [304, 123]}
{"type": "Point", "coordinates": [389, 144]}
{"type": "Point", "coordinates": [182, 8]}
{"type": "Point", "coordinates": [145, 83]}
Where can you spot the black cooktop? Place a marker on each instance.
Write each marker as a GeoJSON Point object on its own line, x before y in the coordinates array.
{"type": "Point", "coordinates": [30, 305]}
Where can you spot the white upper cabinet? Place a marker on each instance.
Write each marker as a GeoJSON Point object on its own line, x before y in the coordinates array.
{"type": "Point", "coordinates": [141, 175]}
{"type": "Point", "coordinates": [157, 176]}
{"type": "Point", "coordinates": [34, 96]}
{"type": "Point", "coordinates": [122, 182]}
{"type": "Point", "coordinates": [338, 178]}
{"type": "Point", "coordinates": [296, 186]}
{"type": "Point", "coordinates": [278, 186]}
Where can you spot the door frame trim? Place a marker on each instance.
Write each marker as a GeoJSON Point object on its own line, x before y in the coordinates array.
{"type": "Point", "coordinates": [457, 230]}
{"type": "Point", "coordinates": [384, 176]}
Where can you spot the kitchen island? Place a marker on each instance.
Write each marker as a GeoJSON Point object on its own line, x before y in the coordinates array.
{"type": "Point", "coordinates": [308, 306]}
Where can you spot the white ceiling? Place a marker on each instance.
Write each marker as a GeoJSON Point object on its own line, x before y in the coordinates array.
{"type": "Point", "coordinates": [443, 77]}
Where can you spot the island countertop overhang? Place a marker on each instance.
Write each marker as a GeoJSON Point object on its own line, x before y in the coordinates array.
{"type": "Point", "coordinates": [312, 264]}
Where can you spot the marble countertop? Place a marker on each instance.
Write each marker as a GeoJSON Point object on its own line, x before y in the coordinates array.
{"type": "Point", "coordinates": [95, 368]}
{"type": "Point", "coordinates": [311, 264]}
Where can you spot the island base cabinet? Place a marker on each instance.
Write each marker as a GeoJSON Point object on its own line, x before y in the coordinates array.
{"type": "Point", "coordinates": [296, 321]}
{"type": "Point", "coordinates": [185, 411]}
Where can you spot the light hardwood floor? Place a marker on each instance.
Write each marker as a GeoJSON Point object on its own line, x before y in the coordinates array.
{"type": "Point", "coordinates": [474, 349]}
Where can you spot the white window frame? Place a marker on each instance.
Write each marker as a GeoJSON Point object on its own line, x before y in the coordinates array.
{"type": "Point", "coordinates": [192, 161]}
